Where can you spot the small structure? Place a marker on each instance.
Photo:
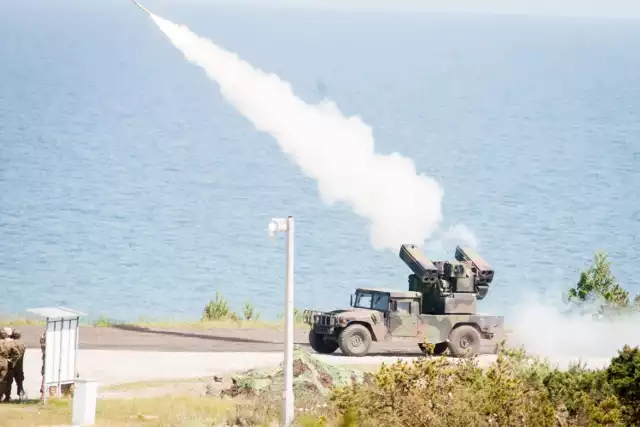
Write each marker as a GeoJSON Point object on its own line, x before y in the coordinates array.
{"type": "Point", "coordinates": [60, 347]}
{"type": "Point", "coordinates": [85, 396]}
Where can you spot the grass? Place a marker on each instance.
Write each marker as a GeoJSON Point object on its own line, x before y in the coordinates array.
{"type": "Point", "coordinates": [159, 411]}
{"type": "Point", "coordinates": [104, 322]}
{"type": "Point", "coordinates": [216, 314]}
{"type": "Point", "coordinates": [141, 385]}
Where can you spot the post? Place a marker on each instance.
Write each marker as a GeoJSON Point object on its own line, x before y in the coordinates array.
{"type": "Point", "coordinates": [85, 394]}
{"type": "Point", "coordinates": [288, 341]}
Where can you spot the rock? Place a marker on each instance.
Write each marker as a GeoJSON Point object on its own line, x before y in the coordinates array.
{"type": "Point", "coordinates": [309, 375]}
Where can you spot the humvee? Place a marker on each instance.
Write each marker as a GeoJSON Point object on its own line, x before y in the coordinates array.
{"type": "Point", "coordinates": [439, 308]}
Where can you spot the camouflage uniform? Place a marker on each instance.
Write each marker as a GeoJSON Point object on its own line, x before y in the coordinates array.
{"type": "Point", "coordinates": [18, 367]}
{"type": "Point", "coordinates": [4, 368]}
{"type": "Point", "coordinates": [11, 353]}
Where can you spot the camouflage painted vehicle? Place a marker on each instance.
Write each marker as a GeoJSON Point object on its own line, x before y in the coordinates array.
{"type": "Point", "coordinates": [439, 308]}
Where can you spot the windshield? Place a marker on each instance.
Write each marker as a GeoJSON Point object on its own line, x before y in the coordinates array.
{"type": "Point", "coordinates": [374, 300]}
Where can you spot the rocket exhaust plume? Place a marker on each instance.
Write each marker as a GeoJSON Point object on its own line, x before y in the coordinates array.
{"type": "Point", "coordinates": [401, 205]}
{"type": "Point", "coordinates": [337, 151]}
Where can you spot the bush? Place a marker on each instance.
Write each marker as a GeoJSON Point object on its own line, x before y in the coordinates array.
{"type": "Point", "coordinates": [623, 374]}
{"type": "Point", "coordinates": [583, 396]}
{"type": "Point", "coordinates": [598, 285]}
{"type": "Point", "coordinates": [249, 313]}
{"type": "Point", "coordinates": [516, 390]}
{"type": "Point", "coordinates": [434, 391]}
{"type": "Point", "coordinates": [218, 309]}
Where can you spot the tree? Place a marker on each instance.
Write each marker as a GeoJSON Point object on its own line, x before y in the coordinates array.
{"type": "Point", "coordinates": [598, 285]}
{"type": "Point", "coordinates": [624, 376]}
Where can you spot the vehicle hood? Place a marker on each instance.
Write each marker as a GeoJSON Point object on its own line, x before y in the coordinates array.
{"type": "Point", "coordinates": [352, 314]}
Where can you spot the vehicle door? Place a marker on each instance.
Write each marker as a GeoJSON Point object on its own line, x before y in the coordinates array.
{"type": "Point", "coordinates": [403, 322]}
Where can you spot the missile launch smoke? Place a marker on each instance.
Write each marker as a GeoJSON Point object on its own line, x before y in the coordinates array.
{"type": "Point", "coordinates": [337, 151]}
{"type": "Point", "coordinates": [549, 330]}
{"type": "Point", "coordinates": [401, 205]}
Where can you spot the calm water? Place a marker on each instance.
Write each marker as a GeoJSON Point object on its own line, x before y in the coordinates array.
{"type": "Point", "coordinates": [129, 188]}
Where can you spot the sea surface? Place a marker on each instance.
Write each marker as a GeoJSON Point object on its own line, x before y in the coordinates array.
{"type": "Point", "coordinates": [130, 188]}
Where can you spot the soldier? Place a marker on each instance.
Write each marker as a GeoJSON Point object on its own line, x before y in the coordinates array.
{"type": "Point", "coordinates": [7, 354]}
{"type": "Point", "coordinates": [11, 353]}
{"type": "Point", "coordinates": [4, 368]}
{"type": "Point", "coordinates": [18, 368]}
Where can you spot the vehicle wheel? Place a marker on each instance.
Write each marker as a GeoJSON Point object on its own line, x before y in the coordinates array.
{"type": "Point", "coordinates": [438, 349]}
{"type": "Point", "coordinates": [355, 340]}
{"type": "Point", "coordinates": [464, 341]}
{"type": "Point", "coordinates": [320, 345]}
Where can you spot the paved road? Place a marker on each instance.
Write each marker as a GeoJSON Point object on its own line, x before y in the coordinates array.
{"type": "Point", "coordinates": [131, 337]}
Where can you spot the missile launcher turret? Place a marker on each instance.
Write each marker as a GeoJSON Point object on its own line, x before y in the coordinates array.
{"type": "Point", "coordinates": [451, 286]}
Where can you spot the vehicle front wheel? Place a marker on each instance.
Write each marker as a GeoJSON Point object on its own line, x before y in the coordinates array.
{"type": "Point", "coordinates": [355, 340]}
{"type": "Point", "coordinates": [464, 341]}
{"type": "Point", "coordinates": [319, 345]}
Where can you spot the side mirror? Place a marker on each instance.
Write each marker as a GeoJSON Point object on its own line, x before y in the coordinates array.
{"type": "Point", "coordinates": [394, 305]}
{"type": "Point", "coordinates": [410, 305]}
{"type": "Point", "coordinates": [351, 301]}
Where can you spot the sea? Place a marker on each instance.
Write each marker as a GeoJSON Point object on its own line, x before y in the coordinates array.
{"type": "Point", "coordinates": [130, 189]}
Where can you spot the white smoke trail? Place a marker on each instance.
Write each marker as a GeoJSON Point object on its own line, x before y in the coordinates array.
{"type": "Point", "coordinates": [403, 206]}
{"type": "Point", "coordinates": [549, 330]}
{"type": "Point", "coordinates": [337, 151]}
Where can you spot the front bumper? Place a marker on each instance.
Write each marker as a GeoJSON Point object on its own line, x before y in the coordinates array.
{"type": "Point", "coordinates": [321, 322]}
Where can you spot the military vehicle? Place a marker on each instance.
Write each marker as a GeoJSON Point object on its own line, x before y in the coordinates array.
{"type": "Point", "coordinates": [439, 308]}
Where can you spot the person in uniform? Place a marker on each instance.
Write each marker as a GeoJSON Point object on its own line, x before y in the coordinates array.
{"type": "Point", "coordinates": [18, 367]}
{"type": "Point", "coordinates": [10, 352]}
{"type": "Point", "coordinates": [4, 369]}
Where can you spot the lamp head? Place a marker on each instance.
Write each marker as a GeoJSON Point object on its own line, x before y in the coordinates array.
{"type": "Point", "coordinates": [273, 229]}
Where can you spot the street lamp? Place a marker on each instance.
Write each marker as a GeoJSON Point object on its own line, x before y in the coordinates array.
{"type": "Point", "coordinates": [278, 225]}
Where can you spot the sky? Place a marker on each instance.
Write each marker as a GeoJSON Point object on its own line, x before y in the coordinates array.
{"type": "Point", "coordinates": [627, 9]}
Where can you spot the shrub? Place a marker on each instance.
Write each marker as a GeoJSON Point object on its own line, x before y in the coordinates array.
{"type": "Point", "coordinates": [623, 374]}
{"type": "Point", "coordinates": [598, 284]}
{"type": "Point", "coordinates": [515, 390]}
{"type": "Point", "coordinates": [434, 391]}
{"type": "Point", "coordinates": [218, 309]}
{"type": "Point", "coordinates": [249, 313]}
{"type": "Point", "coordinates": [583, 397]}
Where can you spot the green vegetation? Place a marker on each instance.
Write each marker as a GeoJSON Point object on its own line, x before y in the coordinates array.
{"type": "Point", "coordinates": [216, 314]}
{"type": "Point", "coordinates": [516, 390]}
{"type": "Point", "coordinates": [160, 411]}
{"type": "Point", "coordinates": [624, 376]}
{"type": "Point", "coordinates": [218, 309]}
{"type": "Point", "coordinates": [599, 289]}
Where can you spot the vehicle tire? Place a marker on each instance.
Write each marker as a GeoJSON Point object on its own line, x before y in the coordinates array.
{"type": "Point", "coordinates": [355, 340]}
{"type": "Point", "coordinates": [438, 349]}
{"type": "Point", "coordinates": [464, 340]}
{"type": "Point", "coordinates": [319, 345]}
